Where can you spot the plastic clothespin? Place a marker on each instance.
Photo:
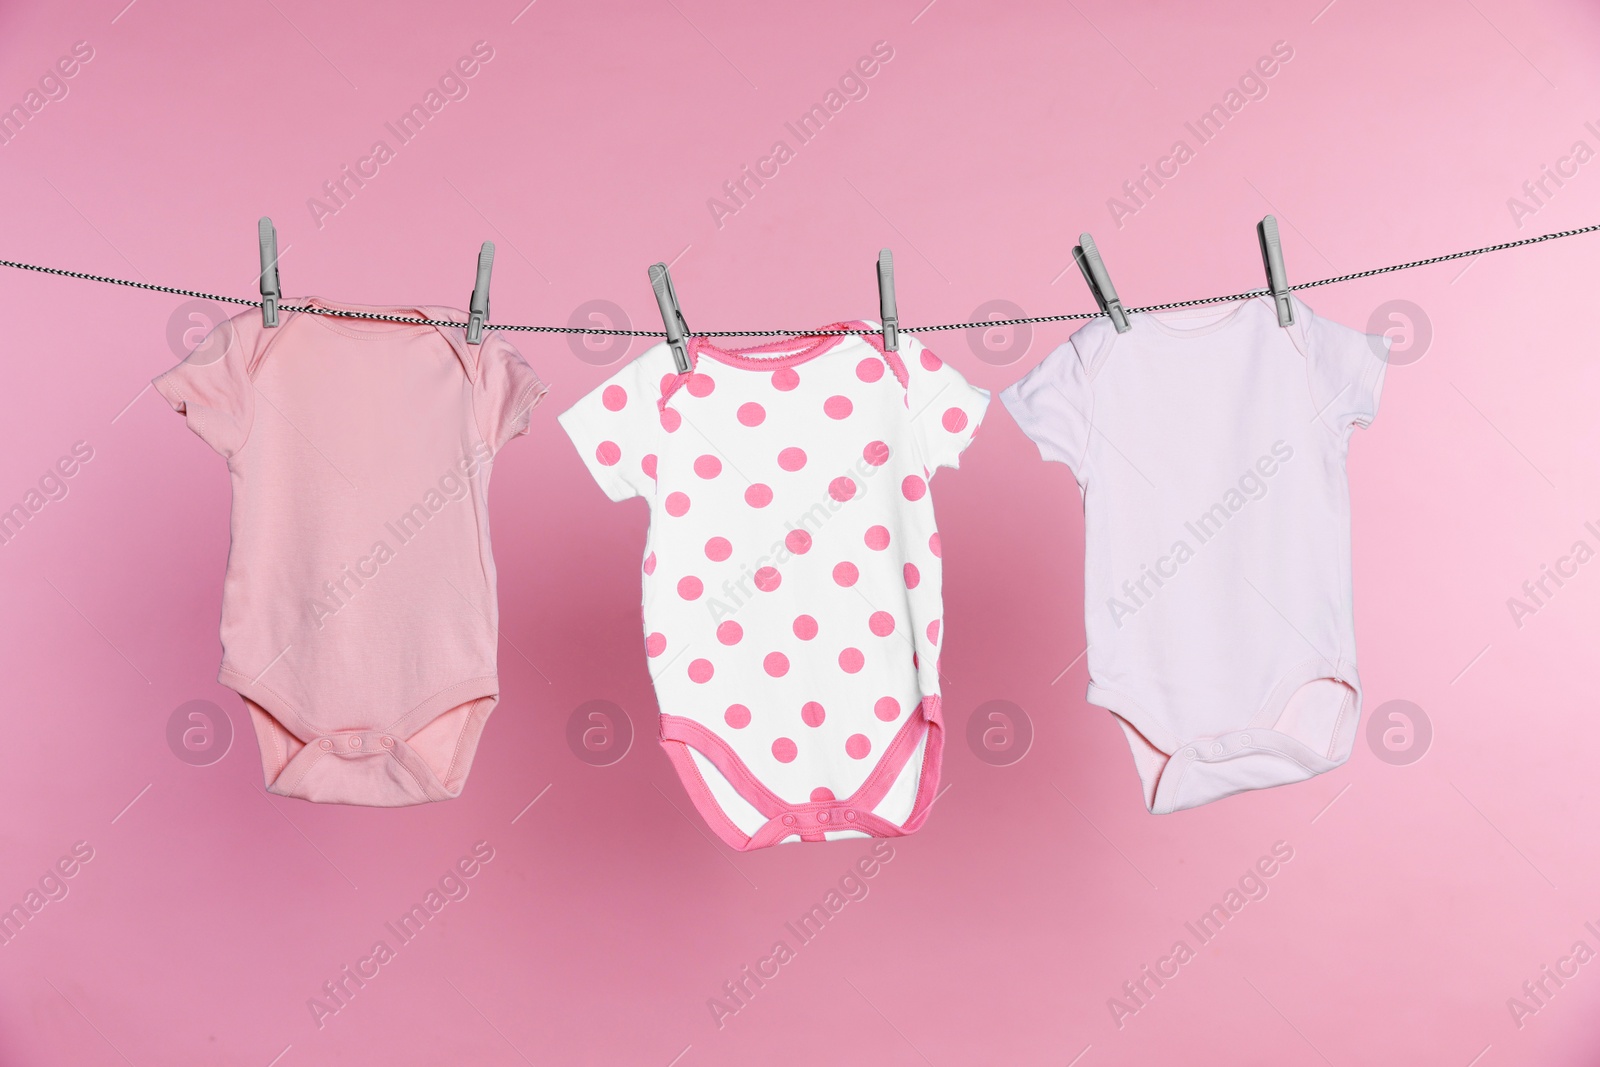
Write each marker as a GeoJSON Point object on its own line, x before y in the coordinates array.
{"type": "Point", "coordinates": [1099, 279]}
{"type": "Point", "coordinates": [478, 309]}
{"type": "Point", "coordinates": [270, 292]}
{"type": "Point", "coordinates": [888, 312]}
{"type": "Point", "coordinates": [1277, 277]}
{"type": "Point", "coordinates": [671, 316]}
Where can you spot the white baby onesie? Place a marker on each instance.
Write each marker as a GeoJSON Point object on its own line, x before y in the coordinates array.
{"type": "Point", "coordinates": [792, 607]}
{"type": "Point", "coordinates": [1209, 447]}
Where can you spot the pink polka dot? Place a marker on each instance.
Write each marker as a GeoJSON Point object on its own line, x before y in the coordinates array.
{"type": "Point", "coordinates": [737, 716]}
{"type": "Point", "coordinates": [869, 369]}
{"type": "Point", "coordinates": [758, 495]}
{"type": "Point", "coordinates": [846, 574]}
{"type": "Point", "coordinates": [785, 379]}
{"type": "Point", "coordinates": [767, 579]}
{"type": "Point", "coordinates": [813, 713]}
{"type": "Point", "coordinates": [614, 397]}
{"type": "Point", "coordinates": [837, 407]}
{"type": "Point", "coordinates": [842, 488]}
{"type": "Point", "coordinates": [851, 660]}
{"type": "Point", "coordinates": [914, 487]}
{"type": "Point", "coordinates": [677, 504]}
{"type": "Point", "coordinates": [792, 459]}
{"type": "Point", "coordinates": [776, 664]}
{"type": "Point", "coordinates": [671, 420]}
{"type": "Point", "coordinates": [913, 576]}
{"type": "Point", "coordinates": [954, 419]}
{"type": "Point", "coordinates": [784, 750]}
{"type": "Point", "coordinates": [887, 709]}
{"type": "Point", "coordinates": [798, 542]}
{"type": "Point", "coordinates": [708, 466]}
{"type": "Point", "coordinates": [730, 632]}
{"type": "Point", "coordinates": [608, 453]}
{"type": "Point", "coordinates": [857, 746]}
{"type": "Point", "coordinates": [822, 794]}
{"type": "Point", "coordinates": [655, 644]}
{"type": "Point", "coordinates": [876, 453]}
{"type": "Point", "coordinates": [648, 464]}
{"type": "Point", "coordinates": [933, 631]}
{"type": "Point", "coordinates": [701, 671]}
{"type": "Point", "coordinates": [935, 546]}
{"type": "Point", "coordinates": [700, 384]}
{"type": "Point", "coordinates": [881, 623]}
{"type": "Point", "coordinates": [650, 563]}
{"type": "Point", "coordinates": [690, 587]}
{"type": "Point", "coordinates": [718, 549]}
{"type": "Point", "coordinates": [752, 414]}
{"type": "Point", "coordinates": [931, 361]}
{"type": "Point", "coordinates": [666, 382]}
{"type": "Point", "coordinates": [805, 627]}
{"type": "Point", "coordinates": [877, 538]}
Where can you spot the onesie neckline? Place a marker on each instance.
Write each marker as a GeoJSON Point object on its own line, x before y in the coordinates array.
{"type": "Point", "coordinates": [810, 347]}
{"type": "Point", "coordinates": [369, 329]}
{"type": "Point", "coordinates": [1210, 322]}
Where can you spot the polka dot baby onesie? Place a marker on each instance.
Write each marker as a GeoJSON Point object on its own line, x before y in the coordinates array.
{"type": "Point", "coordinates": [792, 573]}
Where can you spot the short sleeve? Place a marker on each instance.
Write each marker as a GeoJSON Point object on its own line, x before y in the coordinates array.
{"type": "Point", "coordinates": [506, 391]}
{"type": "Point", "coordinates": [945, 409]}
{"type": "Point", "coordinates": [1054, 402]}
{"type": "Point", "coordinates": [617, 427]}
{"type": "Point", "coordinates": [1346, 369]}
{"type": "Point", "coordinates": [212, 388]}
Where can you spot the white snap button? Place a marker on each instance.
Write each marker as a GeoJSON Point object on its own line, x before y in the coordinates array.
{"type": "Point", "coordinates": [1244, 739]}
{"type": "Point", "coordinates": [1190, 753]}
{"type": "Point", "coordinates": [1216, 746]}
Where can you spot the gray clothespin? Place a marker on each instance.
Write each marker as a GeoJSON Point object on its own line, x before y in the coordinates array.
{"type": "Point", "coordinates": [1099, 279]}
{"type": "Point", "coordinates": [888, 312]}
{"type": "Point", "coordinates": [269, 272]}
{"type": "Point", "coordinates": [671, 316]}
{"type": "Point", "coordinates": [1277, 277]}
{"type": "Point", "coordinates": [478, 309]}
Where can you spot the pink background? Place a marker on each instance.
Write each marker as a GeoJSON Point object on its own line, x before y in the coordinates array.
{"type": "Point", "coordinates": [1420, 896]}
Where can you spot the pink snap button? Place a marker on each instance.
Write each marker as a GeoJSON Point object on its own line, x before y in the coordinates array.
{"type": "Point", "coordinates": [850, 815]}
{"type": "Point", "coordinates": [387, 742]}
{"type": "Point", "coordinates": [822, 816]}
{"type": "Point", "coordinates": [326, 743]}
{"type": "Point", "coordinates": [355, 742]}
{"type": "Point", "coordinates": [788, 820]}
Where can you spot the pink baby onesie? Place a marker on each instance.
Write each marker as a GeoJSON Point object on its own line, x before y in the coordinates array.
{"type": "Point", "coordinates": [1209, 446]}
{"type": "Point", "coordinates": [792, 572]}
{"type": "Point", "coordinates": [359, 619]}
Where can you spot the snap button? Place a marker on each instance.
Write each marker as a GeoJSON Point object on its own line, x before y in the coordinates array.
{"type": "Point", "coordinates": [822, 816]}
{"type": "Point", "coordinates": [355, 742]}
{"type": "Point", "coordinates": [326, 743]}
{"type": "Point", "coordinates": [1216, 746]}
{"type": "Point", "coordinates": [850, 815]}
{"type": "Point", "coordinates": [387, 742]}
{"type": "Point", "coordinates": [1244, 739]}
{"type": "Point", "coordinates": [1190, 753]}
{"type": "Point", "coordinates": [788, 820]}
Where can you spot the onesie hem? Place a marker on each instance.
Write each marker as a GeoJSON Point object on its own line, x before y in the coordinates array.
{"type": "Point", "coordinates": [814, 820]}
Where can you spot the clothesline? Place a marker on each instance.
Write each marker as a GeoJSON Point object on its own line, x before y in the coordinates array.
{"type": "Point", "coordinates": [987, 324]}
